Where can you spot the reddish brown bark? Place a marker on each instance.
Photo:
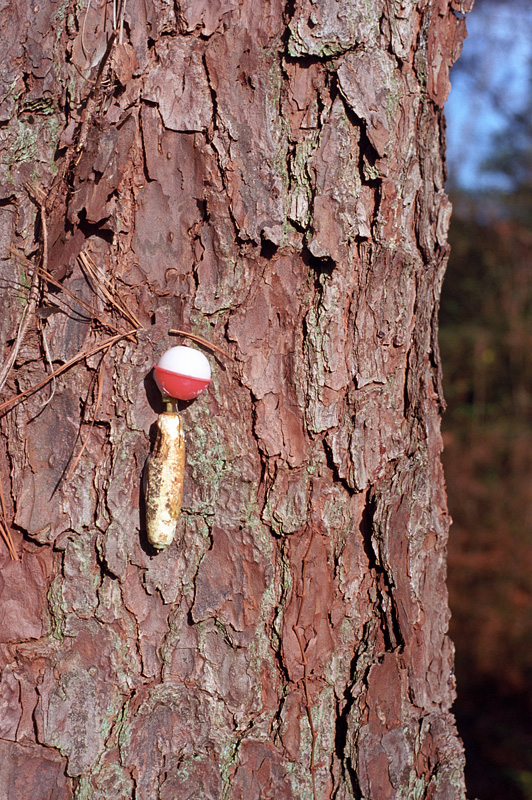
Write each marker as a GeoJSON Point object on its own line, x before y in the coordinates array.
{"type": "Point", "coordinates": [270, 178]}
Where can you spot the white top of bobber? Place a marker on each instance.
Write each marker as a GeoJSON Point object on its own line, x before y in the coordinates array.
{"type": "Point", "coordinates": [186, 361]}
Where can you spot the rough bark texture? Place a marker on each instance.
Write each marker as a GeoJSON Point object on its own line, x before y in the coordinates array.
{"type": "Point", "coordinates": [269, 176]}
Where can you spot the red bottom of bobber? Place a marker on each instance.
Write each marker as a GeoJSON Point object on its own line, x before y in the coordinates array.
{"type": "Point", "coordinates": [182, 387]}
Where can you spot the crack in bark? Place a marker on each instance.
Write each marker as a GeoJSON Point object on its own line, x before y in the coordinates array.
{"type": "Point", "coordinates": [304, 662]}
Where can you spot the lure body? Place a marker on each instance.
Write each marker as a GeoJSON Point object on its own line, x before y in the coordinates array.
{"type": "Point", "coordinates": [164, 480]}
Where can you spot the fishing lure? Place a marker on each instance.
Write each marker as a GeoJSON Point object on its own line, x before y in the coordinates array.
{"type": "Point", "coordinates": [182, 373]}
{"type": "Point", "coordinates": [164, 480]}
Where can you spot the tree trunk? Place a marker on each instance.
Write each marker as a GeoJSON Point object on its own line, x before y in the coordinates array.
{"type": "Point", "coordinates": [270, 177]}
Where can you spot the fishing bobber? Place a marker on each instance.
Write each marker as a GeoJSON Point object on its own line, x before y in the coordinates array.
{"type": "Point", "coordinates": [182, 373]}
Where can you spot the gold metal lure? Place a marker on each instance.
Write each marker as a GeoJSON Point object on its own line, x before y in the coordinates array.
{"type": "Point", "coordinates": [164, 480]}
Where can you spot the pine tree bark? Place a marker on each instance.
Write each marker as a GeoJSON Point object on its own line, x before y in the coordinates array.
{"type": "Point", "coordinates": [271, 178]}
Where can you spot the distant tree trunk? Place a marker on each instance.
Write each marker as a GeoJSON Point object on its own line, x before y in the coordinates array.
{"type": "Point", "coordinates": [268, 176]}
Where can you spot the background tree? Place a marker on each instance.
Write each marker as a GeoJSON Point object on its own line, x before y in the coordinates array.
{"type": "Point", "coordinates": [485, 334]}
{"type": "Point", "coordinates": [270, 177]}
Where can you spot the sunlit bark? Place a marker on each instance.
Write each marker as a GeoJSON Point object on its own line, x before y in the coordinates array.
{"type": "Point", "coordinates": [270, 177]}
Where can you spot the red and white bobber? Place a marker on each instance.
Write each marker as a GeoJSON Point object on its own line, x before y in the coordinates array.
{"type": "Point", "coordinates": [181, 373]}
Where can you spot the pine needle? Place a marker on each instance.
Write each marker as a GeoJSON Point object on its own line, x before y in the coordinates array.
{"type": "Point", "coordinates": [101, 373]}
{"type": "Point", "coordinates": [25, 319]}
{"type": "Point", "coordinates": [8, 404]}
{"type": "Point", "coordinates": [202, 341]}
{"type": "Point", "coordinates": [91, 311]}
{"type": "Point", "coordinates": [5, 533]}
{"type": "Point", "coordinates": [37, 194]}
{"type": "Point", "coordinates": [107, 289]}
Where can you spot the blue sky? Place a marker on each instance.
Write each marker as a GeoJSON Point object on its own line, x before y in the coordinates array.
{"type": "Point", "coordinates": [492, 78]}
